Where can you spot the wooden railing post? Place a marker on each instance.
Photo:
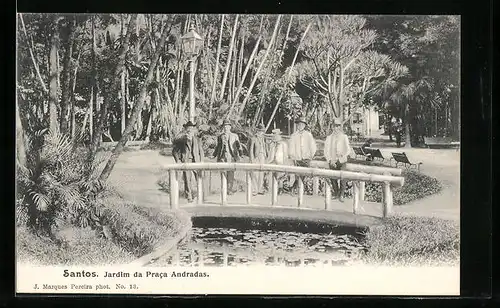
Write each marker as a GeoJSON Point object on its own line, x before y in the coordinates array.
{"type": "Point", "coordinates": [315, 185]}
{"type": "Point", "coordinates": [387, 198]}
{"type": "Point", "coordinates": [174, 190]}
{"type": "Point", "coordinates": [355, 197]}
{"type": "Point", "coordinates": [362, 189]}
{"type": "Point", "coordinates": [200, 187]}
{"type": "Point", "coordinates": [274, 188]}
{"type": "Point", "coordinates": [223, 187]}
{"type": "Point", "coordinates": [249, 187]}
{"type": "Point", "coordinates": [300, 198]}
{"type": "Point", "coordinates": [328, 195]}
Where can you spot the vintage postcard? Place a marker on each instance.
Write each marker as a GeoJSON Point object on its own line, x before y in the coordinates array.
{"type": "Point", "coordinates": [238, 154]}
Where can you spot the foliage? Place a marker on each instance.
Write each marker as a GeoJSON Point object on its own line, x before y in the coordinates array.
{"type": "Point", "coordinates": [409, 240]}
{"type": "Point", "coordinates": [57, 182]}
{"type": "Point", "coordinates": [429, 47]}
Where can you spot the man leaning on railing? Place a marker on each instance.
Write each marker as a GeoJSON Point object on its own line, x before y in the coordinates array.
{"type": "Point", "coordinates": [278, 155]}
{"type": "Point", "coordinates": [337, 149]}
{"type": "Point", "coordinates": [302, 146]}
{"type": "Point", "coordinates": [228, 150]}
{"type": "Point", "coordinates": [187, 148]}
{"type": "Point", "coordinates": [257, 152]}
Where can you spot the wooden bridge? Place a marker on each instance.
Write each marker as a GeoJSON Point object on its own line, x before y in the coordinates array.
{"type": "Point", "coordinates": [313, 207]}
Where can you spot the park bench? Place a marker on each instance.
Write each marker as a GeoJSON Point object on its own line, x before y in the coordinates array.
{"type": "Point", "coordinates": [358, 151]}
{"type": "Point", "coordinates": [441, 142]}
{"type": "Point", "coordinates": [373, 153]}
{"type": "Point", "coordinates": [401, 158]}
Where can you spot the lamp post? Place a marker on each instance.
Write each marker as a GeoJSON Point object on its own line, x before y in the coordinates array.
{"type": "Point", "coordinates": [191, 44]}
{"type": "Point", "coordinates": [294, 100]}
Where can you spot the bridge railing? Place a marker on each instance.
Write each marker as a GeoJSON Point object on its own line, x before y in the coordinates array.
{"type": "Point", "coordinates": [389, 181]}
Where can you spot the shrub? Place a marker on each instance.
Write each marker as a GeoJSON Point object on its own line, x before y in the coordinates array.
{"type": "Point", "coordinates": [57, 181]}
{"type": "Point", "coordinates": [74, 246]}
{"type": "Point", "coordinates": [409, 240]}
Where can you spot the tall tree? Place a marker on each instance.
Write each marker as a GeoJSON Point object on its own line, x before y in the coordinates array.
{"type": "Point", "coordinates": [116, 78]}
{"type": "Point", "coordinates": [136, 111]}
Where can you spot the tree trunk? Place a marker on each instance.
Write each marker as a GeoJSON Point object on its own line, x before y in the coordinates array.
{"type": "Point", "coordinates": [29, 41]}
{"type": "Point", "coordinates": [289, 73]}
{"type": "Point", "coordinates": [136, 111]}
{"type": "Point", "coordinates": [20, 146]}
{"type": "Point", "coordinates": [53, 97]}
{"type": "Point", "coordinates": [273, 37]}
{"type": "Point", "coordinates": [229, 57]}
{"type": "Point", "coordinates": [247, 68]}
{"type": "Point", "coordinates": [407, 127]}
{"type": "Point", "coordinates": [66, 76]}
{"type": "Point", "coordinates": [216, 70]}
{"type": "Point", "coordinates": [73, 87]}
{"type": "Point", "coordinates": [114, 86]}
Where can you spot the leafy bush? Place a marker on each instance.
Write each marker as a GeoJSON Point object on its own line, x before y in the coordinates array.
{"type": "Point", "coordinates": [74, 246]}
{"type": "Point", "coordinates": [139, 230]}
{"type": "Point", "coordinates": [404, 240]}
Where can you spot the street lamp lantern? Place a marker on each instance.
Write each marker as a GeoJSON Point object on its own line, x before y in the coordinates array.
{"type": "Point", "coordinates": [191, 45]}
{"type": "Point", "coordinates": [191, 42]}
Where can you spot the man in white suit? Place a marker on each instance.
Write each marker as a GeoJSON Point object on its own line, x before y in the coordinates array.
{"type": "Point", "coordinates": [337, 149]}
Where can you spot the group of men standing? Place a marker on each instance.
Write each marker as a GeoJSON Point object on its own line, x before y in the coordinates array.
{"type": "Point", "coordinates": [299, 151]}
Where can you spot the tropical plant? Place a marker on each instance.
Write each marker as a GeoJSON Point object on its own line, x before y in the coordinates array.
{"type": "Point", "coordinates": [57, 183]}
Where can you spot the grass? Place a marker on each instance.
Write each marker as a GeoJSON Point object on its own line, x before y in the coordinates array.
{"type": "Point", "coordinates": [133, 231]}
{"type": "Point", "coordinates": [409, 240]}
{"type": "Point", "coordinates": [75, 246]}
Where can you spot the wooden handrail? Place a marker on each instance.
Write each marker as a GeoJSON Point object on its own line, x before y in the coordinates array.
{"type": "Point", "coordinates": [335, 174]}
{"type": "Point", "coordinates": [360, 168]}
{"type": "Point", "coordinates": [358, 178]}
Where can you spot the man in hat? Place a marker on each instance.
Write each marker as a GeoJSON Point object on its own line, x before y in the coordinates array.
{"type": "Point", "coordinates": [278, 154]}
{"type": "Point", "coordinates": [187, 148]}
{"type": "Point", "coordinates": [337, 149]}
{"type": "Point", "coordinates": [228, 149]}
{"type": "Point", "coordinates": [302, 146]}
{"type": "Point", "coordinates": [258, 155]}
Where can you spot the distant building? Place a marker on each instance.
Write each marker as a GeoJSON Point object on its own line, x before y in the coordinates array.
{"type": "Point", "coordinates": [365, 121]}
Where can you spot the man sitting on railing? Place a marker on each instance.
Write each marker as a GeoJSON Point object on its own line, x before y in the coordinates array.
{"type": "Point", "coordinates": [278, 155]}
{"type": "Point", "coordinates": [187, 148]}
{"type": "Point", "coordinates": [258, 155]}
{"type": "Point", "coordinates": [337, 149]}
{"type": "Point", "coordinates": [228, 150]}
{"type": "Point", "coordinates": [302, 146]}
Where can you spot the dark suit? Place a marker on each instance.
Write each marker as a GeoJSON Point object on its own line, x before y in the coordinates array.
{"type": "Point", "coordinates": [228, 149]}
{"type": "Point", "coordinates": [188, 150]}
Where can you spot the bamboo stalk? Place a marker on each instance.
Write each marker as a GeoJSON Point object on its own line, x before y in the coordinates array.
{"type": "Point", "coordinates": [247, 68]}
{"type": "Point", "coordinates": [289, 74]}
{"type": "Point", "coordinates": [273, 37]}
{"type": "Point", "coordinates": [229, 57]}
{"type": "Point", "coordinates": [32, 54]}
{"type": "Point", "coordinates": [216, 70]}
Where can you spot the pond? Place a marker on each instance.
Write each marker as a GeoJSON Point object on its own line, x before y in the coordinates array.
{"type": "Point", "coordinates": [255, 245]}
